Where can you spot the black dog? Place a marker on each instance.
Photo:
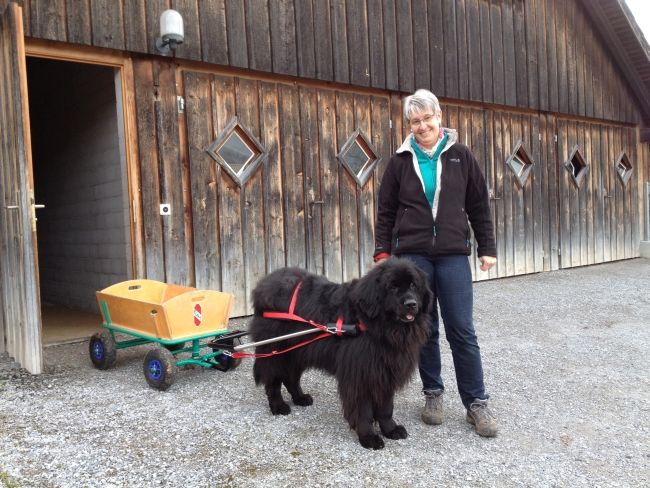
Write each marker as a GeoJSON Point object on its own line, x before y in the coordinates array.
{"type": "Point", "coordinates": [390, 303]}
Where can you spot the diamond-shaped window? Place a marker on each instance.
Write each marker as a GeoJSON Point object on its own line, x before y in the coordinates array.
{"type": "Point", "coordinates": [359, 157]}
{"type": "Point", "coordinates": [623, 168]}
{"type": "Point", "coordinates": [577, 167]}
{"type": "Point", "coordinates": [237, 151]}
{"type": "Point", "coordinates": [520, 164]}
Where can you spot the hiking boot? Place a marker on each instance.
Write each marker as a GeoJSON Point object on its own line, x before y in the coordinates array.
{"type": "Point", "coordinates": [432, 413]}
{"type": "Point", "coordinates": [482, 419]}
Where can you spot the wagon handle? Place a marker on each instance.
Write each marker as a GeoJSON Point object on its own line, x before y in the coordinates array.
{"type": "Point", "coordinates": [134, 287]}
{"type": "Point", "coordinates": [198, 299]}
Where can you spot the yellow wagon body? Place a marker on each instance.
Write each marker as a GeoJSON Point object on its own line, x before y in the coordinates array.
{"type": "Point", "coordinates": [163, 311]}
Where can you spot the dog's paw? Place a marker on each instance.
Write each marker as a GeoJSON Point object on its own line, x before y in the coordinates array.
{"type": "Point", "coordinates": [303, 400]}
{"type": "Point", "coordinates": [280, 409]}
{"type": "Point", "coordinates": [399, 432]}
{"type": "Point", "coordinates": [371, 441]}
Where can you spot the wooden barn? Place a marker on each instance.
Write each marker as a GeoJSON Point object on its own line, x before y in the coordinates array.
{"type": "Point", "coordinates": [260, 141]}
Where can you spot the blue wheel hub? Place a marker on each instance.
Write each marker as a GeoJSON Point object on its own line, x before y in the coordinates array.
{"type": "Point", "coordinates": [155, 369]}
{"type": "Point", "coordinates": [98, 350]}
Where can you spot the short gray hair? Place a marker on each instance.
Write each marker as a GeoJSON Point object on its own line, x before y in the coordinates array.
{"type": "Point", "coordinates": [420, 101]}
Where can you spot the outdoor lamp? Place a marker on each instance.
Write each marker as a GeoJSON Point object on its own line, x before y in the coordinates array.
{"type": "Point", "coordinates": [171, 31]}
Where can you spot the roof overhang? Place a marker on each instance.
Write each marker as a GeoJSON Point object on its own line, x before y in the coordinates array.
{"type": "Point", "coordinates": [629, 48]}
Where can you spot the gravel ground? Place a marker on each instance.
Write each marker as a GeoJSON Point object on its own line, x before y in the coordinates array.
{"type": "Point", "coordinates": [566, 362]}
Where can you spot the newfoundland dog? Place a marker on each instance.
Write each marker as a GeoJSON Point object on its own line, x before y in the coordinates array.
{"type": "Point", "coordinates": [388, 307]}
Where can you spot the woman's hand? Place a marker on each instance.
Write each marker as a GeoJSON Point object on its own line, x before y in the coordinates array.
{"type": "Point", "coordinates": [487, 262]}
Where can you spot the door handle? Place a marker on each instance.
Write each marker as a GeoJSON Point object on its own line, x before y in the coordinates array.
{"type": "Point", "coordinates": [12, 206]}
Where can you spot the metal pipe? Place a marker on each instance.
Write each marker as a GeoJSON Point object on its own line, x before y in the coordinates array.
{"type": "Point", "coordinates": [276, 339]}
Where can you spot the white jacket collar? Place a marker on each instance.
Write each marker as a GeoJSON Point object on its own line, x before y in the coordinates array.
{"type": "Point", "coordinates": [451, 140]}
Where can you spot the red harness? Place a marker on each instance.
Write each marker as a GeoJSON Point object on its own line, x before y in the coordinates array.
{"type": "Point", "coordinates": [328, 331]}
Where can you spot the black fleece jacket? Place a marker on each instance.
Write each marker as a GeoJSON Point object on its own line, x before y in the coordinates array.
{"type": "Point", "coordinates": [405, 221]}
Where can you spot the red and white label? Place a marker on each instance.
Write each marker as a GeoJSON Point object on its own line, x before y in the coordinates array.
{"type": "Point", "coordinates": [197, 314]}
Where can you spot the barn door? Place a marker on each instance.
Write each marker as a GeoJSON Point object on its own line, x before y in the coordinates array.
{"type": "Point", "coordinates": [18, 275]}
{"type": "Point", "coordinates": [281, 175]}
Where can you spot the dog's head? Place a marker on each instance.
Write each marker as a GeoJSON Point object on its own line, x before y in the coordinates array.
{"type": "Point", "coordinates": [396, 289]}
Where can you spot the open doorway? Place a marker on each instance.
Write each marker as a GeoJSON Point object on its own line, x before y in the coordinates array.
{"type": "Point", "coordinates": [80, 176]}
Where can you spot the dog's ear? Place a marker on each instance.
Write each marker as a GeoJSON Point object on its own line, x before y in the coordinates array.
{"type": "Point", "coordinates": [368, 294]}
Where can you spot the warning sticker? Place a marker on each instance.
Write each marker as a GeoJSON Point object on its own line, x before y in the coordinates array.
{"type": "Point", "coordinates": [197, 314]}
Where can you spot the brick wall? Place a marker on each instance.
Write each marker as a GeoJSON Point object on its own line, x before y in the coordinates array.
{"type": "Point", "coordinates": [83, 230]}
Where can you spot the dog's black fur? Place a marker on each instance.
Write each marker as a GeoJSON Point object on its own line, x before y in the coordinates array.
{"type": "Point", "coordinates": [392, 300]}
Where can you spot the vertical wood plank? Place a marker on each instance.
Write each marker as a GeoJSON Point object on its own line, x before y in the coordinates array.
{"type": "Point", "coordinates": [521, 62]}
{"type": "Point", "coordinates": [347, 190]}
{"type": "Point", "coordinates": [564, 189]}
{"type": "Point", "coordinates": [562, 69]}
{"type": "Point", "coordinates": [171, 174]}
{"type": "Point", "coordinates": [252, 194]}
{"type": "Point", "coordinates": [145, 98]}
{"type": "Point", "coordinates": [311, 186]}
{"type": "Point", "coordinates": [486, 51]}
{"type": "Point", "coordinates": [135, 26]}
{"type": "Point", "coordinates": [292, 176]}
{"type": "Point", "coordinates": [421, 31]}
{"type": "Point", "coordinates": [214, 38]}
{"type": "Point", "coordinates": [48, 19]}
{"type": "Point", "coordinates": [327, 150]}
{"type": "Point", "coordinates": [376, 39]}
{"type": "Point", "coordinates": [283, 37]}
{"type": "Point", "coordinates": [436, 47]}
{"type": "Point", "coordinates": [358, 48]}
{"type": "Point", "coordinates": [450, 46]}
{"type": "Point", "coordinates": [405, 47]}
{"type": "Point", "coordinates": [107, 24]}
{"type": "Point", "coordinates": [542, 45]}
{"type": "Point", "coordinates": [228, 202]}
{"type": "Point", "coordinates": [323, 47]}
{"type": "Point", "coordinates": [236, 33]}
{"type": "Point", "coordinates": [259, 27]}
{"type": "Point", "coordinates": [205, 214]}
{"type": "Point", "coordinates": [537, 195]}
{"type": "Point", "coordinates": [572, 86]}
{"type": "Point", "coordinates": [363, 107]}
{"type": "Point", "coordinates": [340, 42]}
{"type": "Point", "coordinates": [464, 71]}
{"type": "Point", "coordinates": [552, 57]}
{"type": "Point", "coordinates": [305, 48]}
{"type": "Point", "coordinates": [474, 49]}
{"type": "Point", "coordinates": [510, 69]}
{"type": "Point", "coordinates": [273, 211]}
{"type": "Point", "coordinates": [598, 195]}
{"type": "Point", "coordinates": [496, 35]}
{"type": "Point", "coordinates": [78, 21]}
{"type": "Point", "coordinates": [531, 51]}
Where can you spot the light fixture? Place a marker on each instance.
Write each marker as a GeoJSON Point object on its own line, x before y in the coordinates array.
{"type": "Point", "coordinates": [171, 31]}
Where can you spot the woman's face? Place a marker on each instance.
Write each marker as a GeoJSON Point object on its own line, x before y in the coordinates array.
{"type": "Point", "coordinates": [426, 128]}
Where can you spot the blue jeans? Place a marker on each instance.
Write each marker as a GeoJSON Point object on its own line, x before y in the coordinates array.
{"type": "Point", "coordinates": [450, 279]}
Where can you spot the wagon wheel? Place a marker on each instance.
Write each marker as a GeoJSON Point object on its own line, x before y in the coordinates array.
{"type": "Point", "coordinates": [159, 368]}
{"type": "Point", "coordinates": [225, 363]}
{"type": "Point", "coordinates": [102, 349]}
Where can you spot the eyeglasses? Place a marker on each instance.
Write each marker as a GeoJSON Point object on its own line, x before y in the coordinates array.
{"type": "Point", "coordinates": [424, 120]}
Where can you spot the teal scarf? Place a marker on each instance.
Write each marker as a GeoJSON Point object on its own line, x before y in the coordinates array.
{"type": "Point", "coordinates": [429, 166]}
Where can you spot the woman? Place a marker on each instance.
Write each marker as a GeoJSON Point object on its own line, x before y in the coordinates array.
{"type": "Point", "coordinates": [431, 187]}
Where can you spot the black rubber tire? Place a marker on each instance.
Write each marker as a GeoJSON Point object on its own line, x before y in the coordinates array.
{"type": "Point", "coordinates": [226, 363]}
{"type": "Point", "coordinates": [159, 368]}
{"type": "Point", "coordinates": [102, 350]}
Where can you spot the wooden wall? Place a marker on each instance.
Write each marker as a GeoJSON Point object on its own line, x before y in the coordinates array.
{"type": "Point", "coordinates": [223, 236]}
{"type": "Point", "coordinates": [538, 54]}
{"type": "Point", "coordinates": [226, 237]}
